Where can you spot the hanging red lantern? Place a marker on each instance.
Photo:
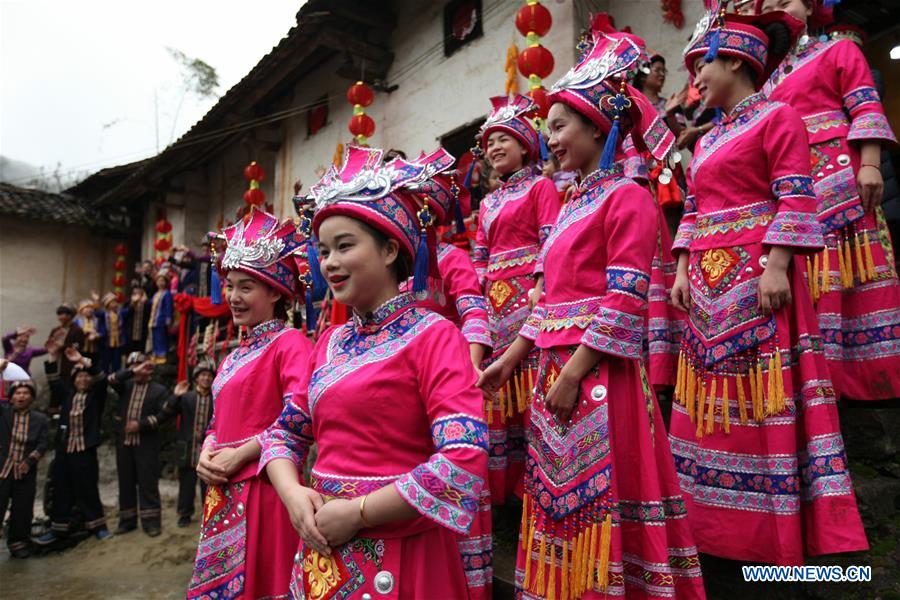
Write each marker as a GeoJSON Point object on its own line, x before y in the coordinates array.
{"type": "Point", "coordinates": [254, 172]}
{"type": "Point", "coordinates": [536, 60]}
{"type": "Point", "coordinates": [121, 249]}
{"type": "Point", "coordinates": [119, 265]}
{"type": "Point", "coordinates": [118, 280]}
{"type": "Point", "coordinates": [162, 244]}
{"type": "Point", "coordinates": [254, 197]}
{"type": "Point", "coordinates": [533, 18]}
{"type": "Point", "coordinates": [163, 226]}
{"type": "Point", "coordinates": [360, 94]}
{"type": "Point", "coordinates": [362, 125]}
{"type": "Point", "coordinates": [539, 95]}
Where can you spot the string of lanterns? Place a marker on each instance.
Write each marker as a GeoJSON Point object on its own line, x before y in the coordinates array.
{"type": "Point", "coordinates": [118, 280]}
{"type": "Point", "coordinates": [535, 62]}
{"type": "Point", "coordinates": [254, 196]}
{"type": "Point", "coordinates": [361, 125]}
{"type": "Point", "coordinates": [163, 241]}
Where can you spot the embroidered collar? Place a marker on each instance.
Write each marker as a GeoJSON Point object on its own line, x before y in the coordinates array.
{"type": "Point", "coordinates": [384, 314]}
{"type": "Point", "coordinates": [744, 105]}
{"type": "Point", "coordinates": [271, 326]}
{"type": "Point", "coordinates": [523, 173]}
{"type": "Point", "coordinates": [599, 177]}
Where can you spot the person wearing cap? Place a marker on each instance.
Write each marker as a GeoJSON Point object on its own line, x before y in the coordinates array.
{"type": "Point", "coordinates": [92, 327]}
{"type": "Point", "coordinates": [161, 315]}
{"type": "Point", "coordinates": [853, 281]}
{"type": "Point", "coordinates": [251, 388]}
{"type": "Point", "coordinates": [75, 470]}
{"type": "Point", "coordinates": [137, 319]}
{"type": "Point", "coordinates": [194, 411]}
{"type": "Point", "coordinates": [391, 406]}
{"type": "Point", "coordinates": [68, 335]}
{"type": "Point", "coordinates": [24, 438]}
{"type": "Point", "coordinates": [603, 514]}
{"type": "Point", "coordinates": [112, 323]}
{"type": "Point", "coordinates": [755, 430]}
{"type": "Point", "coordinates": [513, 223]}
{"type": "Point", "coordinates": [16, 349]}
{"type": "Point", "coordinates": [139, 413]}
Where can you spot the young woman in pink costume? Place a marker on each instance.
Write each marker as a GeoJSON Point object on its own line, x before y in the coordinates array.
{"type": "Point", "coordinates": [246, 541]}
{"type": "Point", "coordinates": [853, 281]}
{"type": "Point", "coordinates": [755, 430]}
{"type": "Point", "coordinates": [391, 405]}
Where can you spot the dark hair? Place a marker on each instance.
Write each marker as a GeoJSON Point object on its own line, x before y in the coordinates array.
{"type": "Point", "coordinates": [281, 309]}
{"type": "Point", "coordinates": [641, 77]}
{"type": "Point", "coordinates": [400, 267]}
{"type": "Point", "coordinates": [779, 39]}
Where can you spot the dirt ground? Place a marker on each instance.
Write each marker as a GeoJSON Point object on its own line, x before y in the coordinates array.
{"type": "Point", "coordinates": [124, 566]}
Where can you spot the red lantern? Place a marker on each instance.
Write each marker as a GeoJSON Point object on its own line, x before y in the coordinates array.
{"type": "Point", "coordinates": [162, 244]}
{"type": "Point", "coordinates": [119, 265]}
{"type": "Point", "coordinates": [120, 249]}
{"type": "Point", "coordinates": [536, 60]}
{"type": "Point", "coordinates": [254, 172]}
{"type": "Point", "coordinates": [118, 280]}
{"type": "Point", "coordinates": [254, 197]}
{"type": "Point", "coordinates": [360, 93]}
{"type": "Point", "coordinates": [362, 125]}
{"type": "Point", "coordinates": [163, 226]}
{"type": "Point", "coordinates": [533, 18]}
{"type": "Point", "coordinates": [539, 95]}
{"type": "Point", "coordinates": [120, 297]}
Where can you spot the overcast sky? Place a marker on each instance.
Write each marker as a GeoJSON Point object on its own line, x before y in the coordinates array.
{"type": "Point", "coordinates": [78, 77]}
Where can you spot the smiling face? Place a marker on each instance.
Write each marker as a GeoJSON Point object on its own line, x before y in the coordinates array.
{"type": "Point", "coordinates": [21, 398]}
{"type": "Point", "coordinates": [799, 9]}
{"type": "Point", "coordinates": [251, 301]}
{"type": "Point", "coordinates": [716, 80]}
{"type": "Point", "coordinates": [204, 380]}
{"type": "Point", "coordinates": [359, 270]}
{"type": "Point", "coordinates": [82, 381]}
{"type": "Point", "coordinates": [576, 144]}
{"type": "Point", "coordinates": [505, 153]}
{"type": "Point", "coordinates": [656, 78]}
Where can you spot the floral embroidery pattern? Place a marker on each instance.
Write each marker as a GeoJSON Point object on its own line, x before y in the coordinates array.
{"type": "Point", "coordinates": [871, 126]}
{"type": "Point", "coordinates": [453, 431]}
{"type": "Point", "coordinates": [443, 492]}
{"type": "Point", "coordinates": [627, 281]}
{"type": "Point", "coordinates": [256, 342]}
{"type": "Point", "coordinates": [513, 258]}
{"type": "Point", "coordinates": [615, 332]}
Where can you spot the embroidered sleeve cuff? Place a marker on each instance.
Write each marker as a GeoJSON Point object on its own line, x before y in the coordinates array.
{"type": "Point", "coordinates": [209, 442]}
{"type": "Point", "coordinates": [442, 492]}
{"type": "Point", "coordinates": [465, 304]}
{"type": "Point", "coordinates": [871, 126]}
{"type": "Point", "coordinates": [459, 431]}
{"type": "Point", "coordinates": [544, 233]}
{"type": "Point", "coordinates": [477, 331]}
{"type": "Point", "coordinates": [615, 332]}
{"type": "Point", "coordinates": [628, 282]}
{"type": "Point", "coordinates": [532, 325]}
{"type": "Point", "coordinates": [289, 437]}
{"type": "Point", "coordinates": [790, 228]}
{"type": "Point", "coordinates": [862, 98]}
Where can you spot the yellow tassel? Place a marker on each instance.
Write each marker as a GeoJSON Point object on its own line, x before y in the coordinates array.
{"type": "Point", "coordinates": [711, 409]}
{"type": "Point", "coordinates": [592, 558]}
{"type": "Point", "coordinates": [809, 278]}
{"type": "Point", "coordinates": [691, 391]}
{"type": "Point", "coordinates": [848, 258]}
{"type": "Point", "coordinates": [542, 559]}
{"type": "Point", "coordinates": [826, 270]}
{"type": "Point", "coordinates": [578, 546]}
{"type": "Point", "coordinates": [605, 540]}
{"type": "Point", "coordinates": [770, 390]}
{"type": "Point", "coordinates": [517, 382]}
{"type": "Point", "coordinates": [742, 400]}
{"type": "Point", "coordinates": [815, 278]}
{"type": "Point", "coordinates": [726, 407]}
{"type": "Point", "coordinates": [564, 582]}
{"type": "Point", "coordinates": [840, 257]}
{"type": "Point", "coordinates": [528, 548]}
{"type": "Point", "coordinates": [860, 266]}
{"type": "Point", "coordinates": [779, 382]}
{"type": "Point", "coordinates": [870, 262]}
{"type": "Point", "coordinates": [551, 583]}
{"type": "Point", "coordinates": [679, 378]}
{"type": "Point", "coordinates": [489, 410]}
{"type": "Point", "coordinates": [701, 405]}
{"type": "Point", "coordinates": [530, 386]}
{"type": "Point", "coordinates": [761, 392]}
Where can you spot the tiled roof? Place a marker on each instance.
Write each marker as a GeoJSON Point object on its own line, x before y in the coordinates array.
{"type": "Point", "coordinates": [64, 209]}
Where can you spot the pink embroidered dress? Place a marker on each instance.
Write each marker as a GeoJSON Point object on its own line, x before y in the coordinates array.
{"type": "Point", "coordinates": [513, 223]}
{"type": "Point", "coordinates": [854, 283]}
{"type": "Point", "coordinates": [461, 301]}
{"type": "Point", "coordinates": [247, 541]}
{"type": "Point", "coordinates": [755, 430]}
{"type": "Point", "coordinates": [392, 401]}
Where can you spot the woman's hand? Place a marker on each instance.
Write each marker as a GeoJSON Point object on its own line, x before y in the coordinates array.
{"type": "Point", "coordinates": [302, 504]}
{"type": "Point", "coordinates": [870, 185]}
{"type": "Point", "coordinates": [681, 291]}
{"type": "Point", "coordinates": [495, 376]}
{"type": "Point", "coordinates": [774, 289]}
{"type": "Point", "coordinates": [560, 400]}
{"type": "Point", "coordinates": [228, 459]}
{"type": "Point", "coordinates": [339, 520]}
{"type": "Point", "coordinates": [181, 388]}
{"type": "Point", "coordinates": [208, 471]}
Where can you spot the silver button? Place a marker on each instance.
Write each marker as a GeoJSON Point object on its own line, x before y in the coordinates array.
{"type": "Point", "coordinates": [843, 159]}
{"type": "Point", "coordinates": [226, 522]}
{"type": "Point", "coordinates": [384, 582]}
{"type": "Point", "coordinates": [598, 393]}
{"type": "Point", "coordinates": [665, 176]}
{"type": "Point", "coordinates": [297, 557]}
{"type": "Point", "coordinates": [749, 269]}
{"type": "Point", "coordinates": [820, 174]}
{"type": "Point", "coordinates": [676, 156]}
{"type": "Point", "coordinates": [240, 509]}
{"type": "Point", "coordinates": [829, 166]}
{"type": "Point", "coordinates": [367, 596]}
{"type": "Point", "coordinates": [764, 260]}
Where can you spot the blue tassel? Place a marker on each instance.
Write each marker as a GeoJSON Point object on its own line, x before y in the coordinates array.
{"type": "Point", "coordinates": [215, 286]}
{"type": "Point", "coordinates": [460, 222]}
{"type": "Point", "coordinates": [311, 317]}
{"type": "Point", "coordinates": [420, 271]}
{"type": "Point", "coordinates": [713, 51]}
{"type": "Point", "coordinates": [467, 182]}
{"type": "Point", "coordinates": [312, 257]}
{"type": "Point", "coordinates": [608, 158]}
{"type": "Point", "coordinates": [544, 152]}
